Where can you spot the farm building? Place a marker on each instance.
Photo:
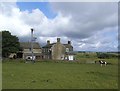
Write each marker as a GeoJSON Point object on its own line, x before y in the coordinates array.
{"type": "Point", "coordinates": [58, 51]}
{"type": "Point", "coordinates": [26, 50]}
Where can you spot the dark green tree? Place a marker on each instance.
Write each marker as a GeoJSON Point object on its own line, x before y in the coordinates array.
{"type": "Point", "coordinates": [10, 43]}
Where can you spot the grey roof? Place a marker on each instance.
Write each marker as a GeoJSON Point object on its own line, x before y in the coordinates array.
{"type": "Point", "coordinates": [48, 45]}
{"type": "Point", "coordinates": [68, 45]}
{"type": "Point", "coordinates": [27, 45]}
{"type": "Point", "coordinates": [71, 53]}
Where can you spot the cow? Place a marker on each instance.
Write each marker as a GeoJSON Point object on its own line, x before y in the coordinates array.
{"type": "Point", "coordinates": [29, 58]}
{"type": "Point", "coordinates": [102, 62]}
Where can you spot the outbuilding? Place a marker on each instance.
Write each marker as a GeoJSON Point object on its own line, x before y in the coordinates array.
{"type": "Point", "coordinates": [26, 50]}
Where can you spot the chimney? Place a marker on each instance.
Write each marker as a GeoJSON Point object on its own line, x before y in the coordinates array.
{"type": "Point", "coordinates": [48, 42]}
{"type": "Point", "coordinates": [58, 40]}
{"type": "Point", "coordinates": [69, 42]}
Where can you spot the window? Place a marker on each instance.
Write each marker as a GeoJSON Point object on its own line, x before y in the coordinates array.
{"type": "Point", "coordinates": [67, 49]}
{"type": "Point", "coordinates": [44, 50]}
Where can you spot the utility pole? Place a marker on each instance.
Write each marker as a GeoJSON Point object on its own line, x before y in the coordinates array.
{"type": "Point", "coordinates": [33, 60]}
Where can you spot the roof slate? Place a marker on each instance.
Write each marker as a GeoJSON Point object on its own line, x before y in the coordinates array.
{"type": "Point", "coordinates": [27, 45]}
{"type": "Point", "coordinates": [50, 45]}
{"type": "Point", "coordinates": [67, 45]}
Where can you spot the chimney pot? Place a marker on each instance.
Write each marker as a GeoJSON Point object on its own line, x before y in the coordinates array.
{"type": "Point", "coordinates": [69, 42]}
{"type": "Point", "coordinates": [48, 42]}
{"type": "Point", "coordinates": [31, 29]}
{"type": "Point", "coordinates": [58, 40]}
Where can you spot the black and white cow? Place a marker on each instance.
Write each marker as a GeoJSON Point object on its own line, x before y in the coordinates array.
{"type": "Point", "coordinates": [102, 62]}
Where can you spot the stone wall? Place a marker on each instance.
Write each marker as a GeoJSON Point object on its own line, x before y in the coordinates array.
{"type": "Point", "coordinates": [37, 53]}
{"type": "Point", "coordinates": [58, 51]}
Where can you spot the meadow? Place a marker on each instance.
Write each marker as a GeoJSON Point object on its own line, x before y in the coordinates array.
{"type": "Point", "coordinates": [59, 75]}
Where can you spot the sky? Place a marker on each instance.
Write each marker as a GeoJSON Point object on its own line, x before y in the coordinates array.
{"type": "Point", "coordinates": [90, 26]}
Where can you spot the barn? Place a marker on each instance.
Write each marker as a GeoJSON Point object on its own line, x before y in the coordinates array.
{"type": "Point", "coordinates": [25, 50]}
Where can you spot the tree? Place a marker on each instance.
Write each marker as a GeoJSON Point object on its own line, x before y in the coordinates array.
{"type": "Point", "coordinates": [10, 43]}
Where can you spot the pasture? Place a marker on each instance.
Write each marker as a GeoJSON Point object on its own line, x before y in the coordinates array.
{"type": "Point", "coordinates": [59, 75]}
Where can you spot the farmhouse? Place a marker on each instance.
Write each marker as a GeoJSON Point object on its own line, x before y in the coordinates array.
{"type": "Point", "coordinates": [58, 51]}
{"type": "Point", "coordinates": [54, 51]}
{"type": "Point", "coordinates": [26, 50]}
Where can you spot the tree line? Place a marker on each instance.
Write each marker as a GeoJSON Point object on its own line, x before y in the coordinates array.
{"type": "Point", "coordinates": [107, 55]}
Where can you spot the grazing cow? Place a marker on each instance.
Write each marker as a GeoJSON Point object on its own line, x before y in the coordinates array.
{"type": "Point", "coordinates": [102, 62]}
{"type": "Point", "coordinates": [29, 58]}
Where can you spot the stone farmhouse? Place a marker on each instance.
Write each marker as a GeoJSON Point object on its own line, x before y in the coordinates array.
{"type": "Point", "coordinates": [58, 51]}
{"type": "Point", "coordinates": [54, 51]}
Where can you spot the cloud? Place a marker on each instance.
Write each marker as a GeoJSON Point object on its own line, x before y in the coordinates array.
{"type": "Point", "coordinates": [88, 17]}
{"type": "Point", "coordinates": [90, 26]}
{"type": "Point", "coordinates": [10, 20]}
{"type": "Point", "coordinates": [36, 17]}
{"type": "Point", "coordinates": [94, 22]}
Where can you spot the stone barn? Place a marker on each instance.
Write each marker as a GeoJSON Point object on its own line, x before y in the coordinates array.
{"type": "Point", "coordinates": [26, 50]}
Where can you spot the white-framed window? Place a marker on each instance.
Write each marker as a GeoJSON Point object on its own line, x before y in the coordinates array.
{"type": "Point", "coordinates": [71, 57]}
{"type": "Point", "coordinates": [67, 49]}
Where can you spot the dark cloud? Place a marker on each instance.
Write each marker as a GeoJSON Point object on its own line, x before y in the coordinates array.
{"type": "Point", "coordinates": [87, 17]}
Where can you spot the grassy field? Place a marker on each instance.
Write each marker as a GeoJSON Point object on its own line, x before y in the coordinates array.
{"type": "Point", "coordinates": [61, 75]}
{"type": "Point", "coordinates": [0, 74]}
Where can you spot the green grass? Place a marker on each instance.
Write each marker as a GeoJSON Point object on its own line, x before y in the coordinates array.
{"type": "Point", "coordinates": [85, 57]}
{"type": "Point", "coordinates": [61, 75]}
{"type": "Point", "coordinates": [0, 74]}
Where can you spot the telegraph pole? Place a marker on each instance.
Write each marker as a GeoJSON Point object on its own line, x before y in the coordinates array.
{"type": "Point", "coordinates": [33, 60]}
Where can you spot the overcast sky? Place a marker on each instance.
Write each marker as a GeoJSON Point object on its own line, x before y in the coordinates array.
{"type": "Point", "coordinates": [89, 26]}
